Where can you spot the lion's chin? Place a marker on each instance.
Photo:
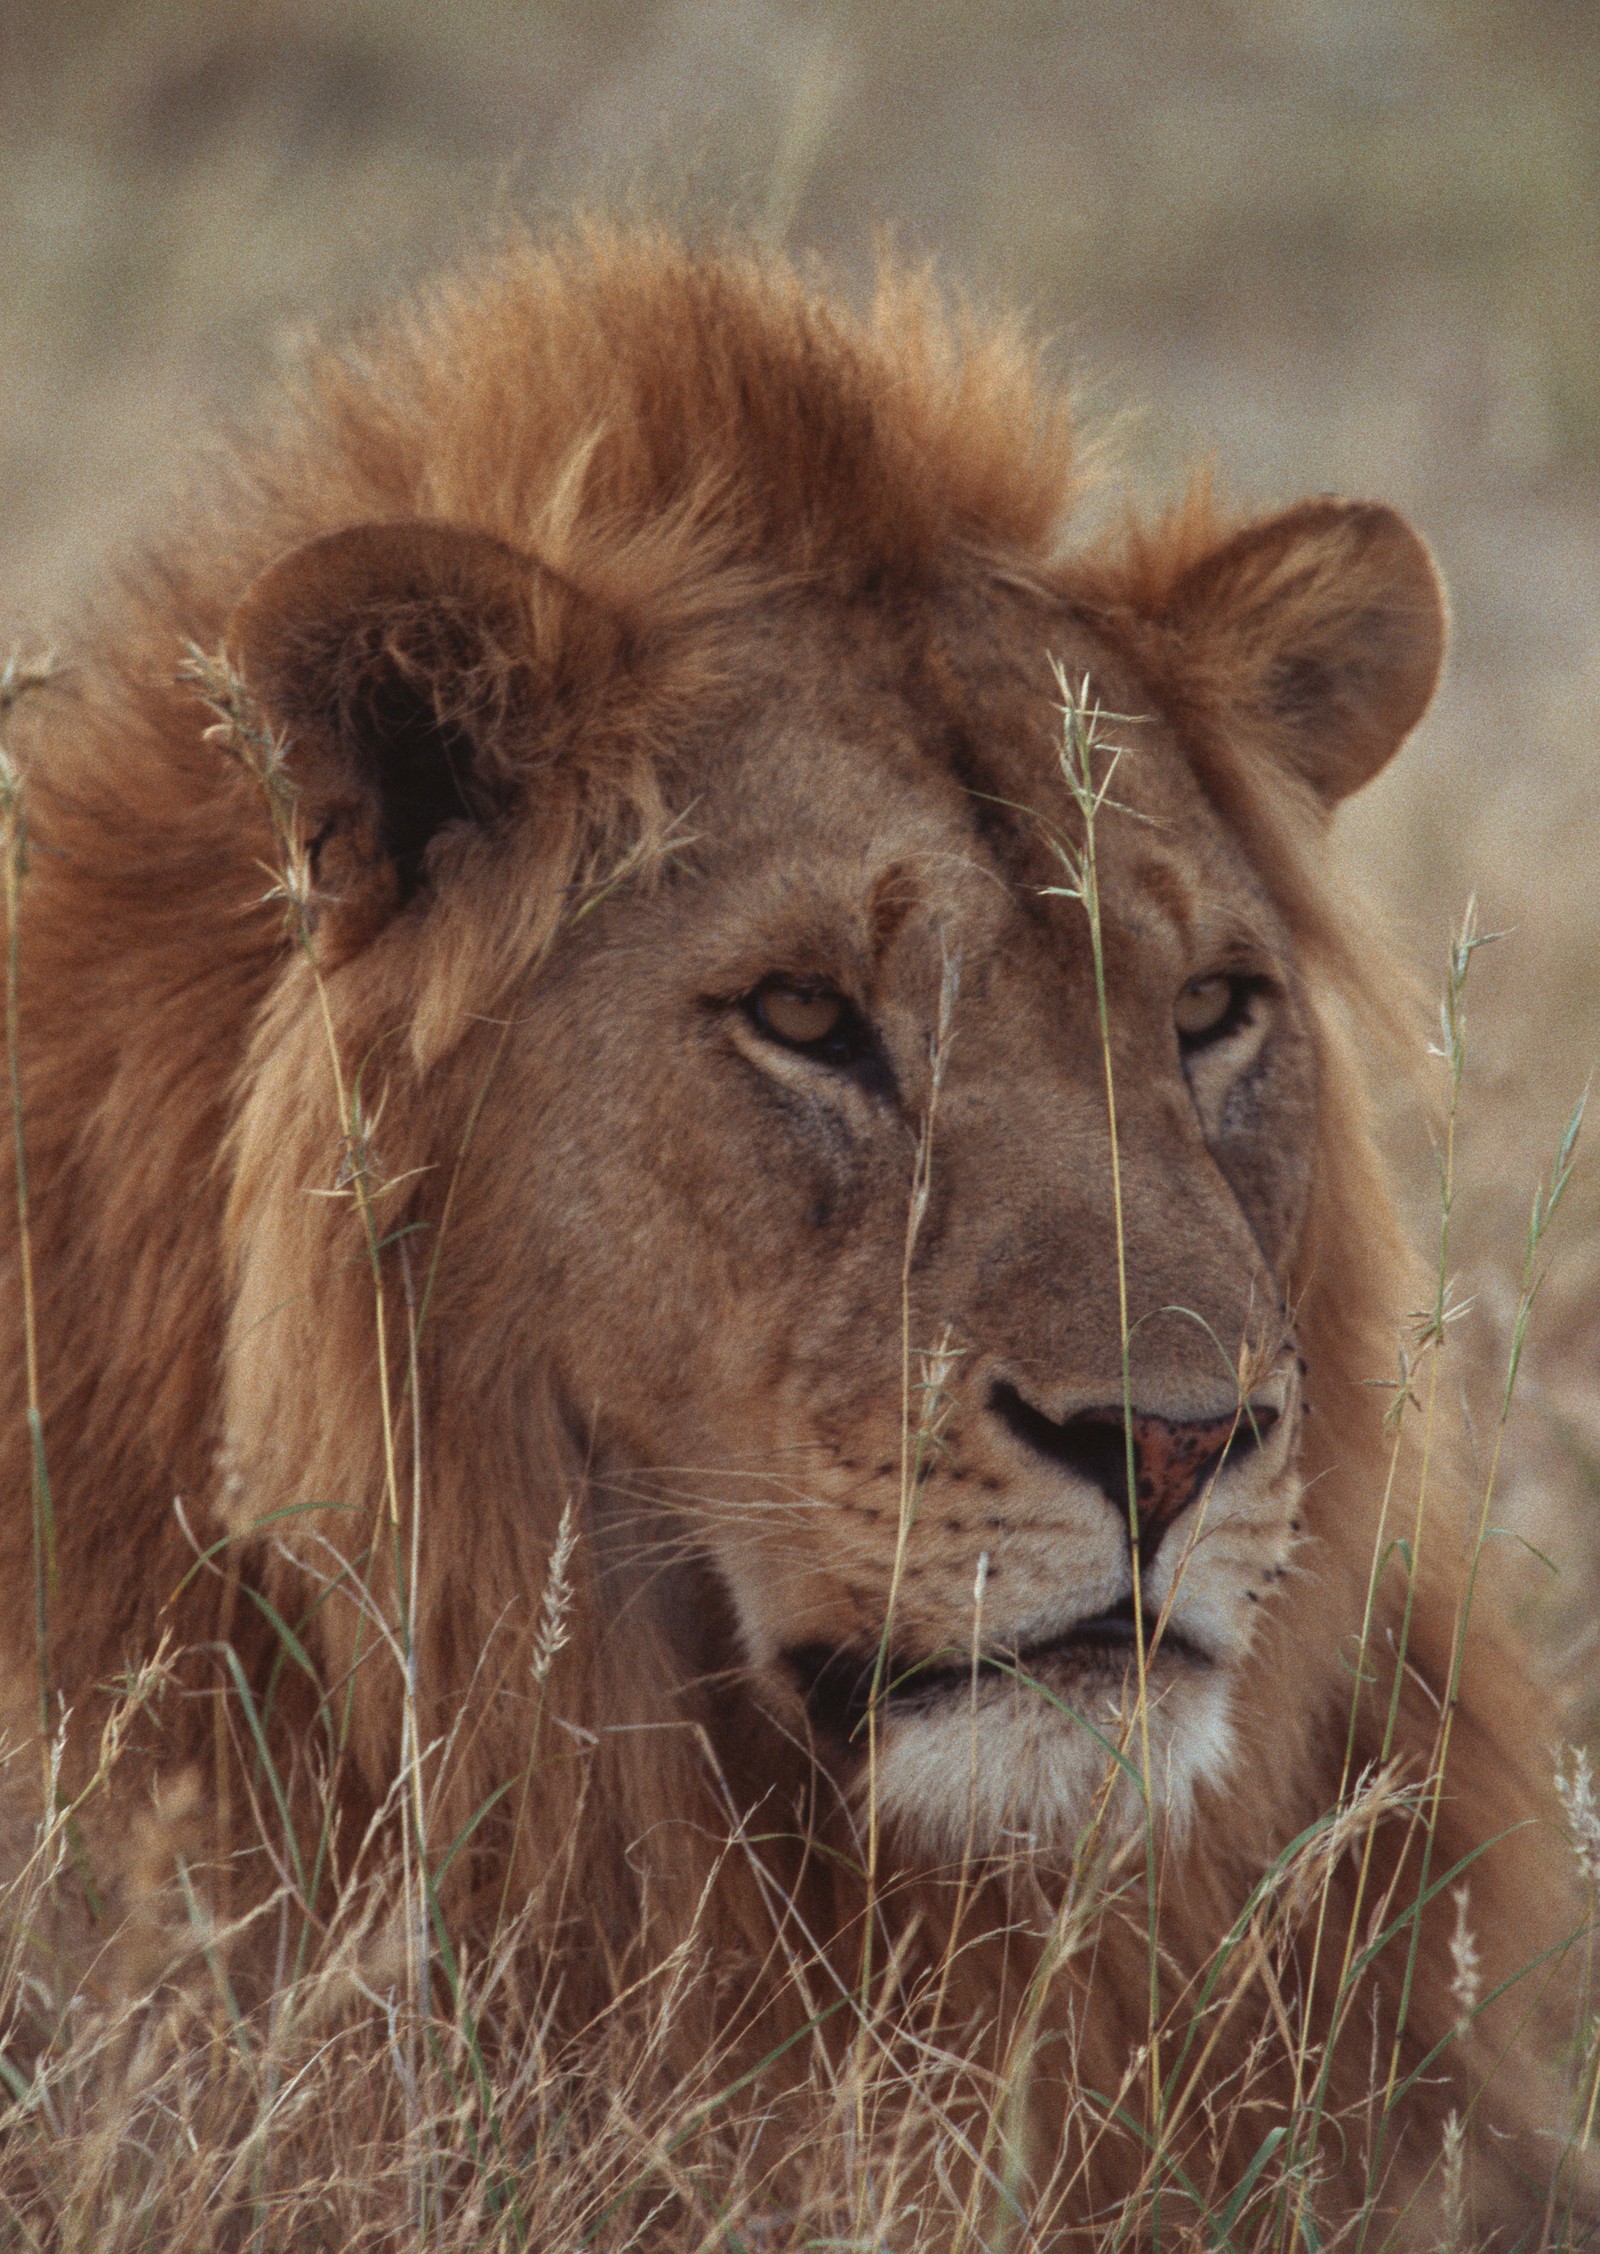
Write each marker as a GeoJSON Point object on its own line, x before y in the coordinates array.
{"type": "Point", "coordinates": [1037, 1768]}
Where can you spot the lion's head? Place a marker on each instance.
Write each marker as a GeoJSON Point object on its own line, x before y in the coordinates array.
{"type": "Point", "coordinates": [794, 1177]}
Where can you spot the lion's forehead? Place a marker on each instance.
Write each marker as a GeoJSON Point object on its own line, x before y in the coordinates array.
{"type": "Point", "coordinates": [849, 792]}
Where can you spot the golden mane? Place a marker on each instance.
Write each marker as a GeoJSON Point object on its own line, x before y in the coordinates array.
{"type": "Point", "coordinates": [680, 441]}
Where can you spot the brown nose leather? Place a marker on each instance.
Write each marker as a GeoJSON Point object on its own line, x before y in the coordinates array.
{"type": "Point", "coordinates": [1172, 1463]}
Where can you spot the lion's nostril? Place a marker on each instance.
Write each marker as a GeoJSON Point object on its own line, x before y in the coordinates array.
{"type": "Point", "coordinates": [1172, 1460]}
{"type": "Point", "coordinates": [1094, 1445]}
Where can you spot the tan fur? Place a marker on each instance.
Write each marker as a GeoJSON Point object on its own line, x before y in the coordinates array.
{"type": "Point", "coordinates": [660, 560]}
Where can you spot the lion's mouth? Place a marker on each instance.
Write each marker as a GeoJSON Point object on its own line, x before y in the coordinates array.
{"type": "Point", "coordinates": [840, 1687]}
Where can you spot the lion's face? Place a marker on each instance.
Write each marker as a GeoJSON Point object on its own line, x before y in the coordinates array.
{"type": "Point", "coordinates": [805, 1200]}
{"type": "Point", "coordinates": [827, 1199]}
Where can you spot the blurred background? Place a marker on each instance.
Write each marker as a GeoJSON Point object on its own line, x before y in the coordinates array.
{"type": "Point", "coordinates": [1347, 245]}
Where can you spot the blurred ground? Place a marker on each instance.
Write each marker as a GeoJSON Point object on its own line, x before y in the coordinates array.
{"type": "Point", "coordinates": [1331, 244]}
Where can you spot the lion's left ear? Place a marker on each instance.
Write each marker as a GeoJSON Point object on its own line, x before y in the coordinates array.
{"type": "Point", "coordinates": [412, 668]}
{"type": "Point", "coordinates": [1325, 627]}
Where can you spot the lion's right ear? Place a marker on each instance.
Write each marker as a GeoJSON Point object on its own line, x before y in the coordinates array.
{"type": "Point", "coordinates": [1323, 629]}
{"type": "Point", "coordinates": [402, 662]}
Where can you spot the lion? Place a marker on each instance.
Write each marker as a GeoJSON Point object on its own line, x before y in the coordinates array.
{"type": "Point", "coordinates": [727, 1168]}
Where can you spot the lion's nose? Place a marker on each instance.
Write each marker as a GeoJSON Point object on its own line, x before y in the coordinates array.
{"type": "Point", "coordinates": [1172, 1460]}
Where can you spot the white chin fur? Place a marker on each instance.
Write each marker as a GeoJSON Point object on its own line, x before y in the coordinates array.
{"type": "Point", "coordinates": [1011, 1771]}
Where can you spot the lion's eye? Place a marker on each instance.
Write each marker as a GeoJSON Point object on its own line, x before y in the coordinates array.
{"type": "Point", "coordinates": [804, 1017]}
{"type": "Point", "coordinates": [1207, 1007]}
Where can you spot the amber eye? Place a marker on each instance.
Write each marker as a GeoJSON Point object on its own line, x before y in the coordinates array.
{"type": "Point", "coordinates": [1204, 1006]}
{"type": "Point", "coordinates": [803, 1017]}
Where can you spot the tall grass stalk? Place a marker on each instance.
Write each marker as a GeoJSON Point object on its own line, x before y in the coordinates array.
{"type": "Point", "coordinates": [1083, 749]}
{"type": "Point", "coordinates": [17, 682]}
{"type": "Point", "coordinates": [1546, 1199]}
{"type": "Point", "coordinates": [1424, 1347]}
{"type": "Point", "coordinates": [918, 1437]}
{"type": "Point", "coordinates": [239, 728]}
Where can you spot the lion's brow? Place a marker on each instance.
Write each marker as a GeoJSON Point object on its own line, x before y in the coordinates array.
{"type": "Point", "coordinates": [895, 893]}
{"type": "Point", "coordinates": [1165, 885]}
